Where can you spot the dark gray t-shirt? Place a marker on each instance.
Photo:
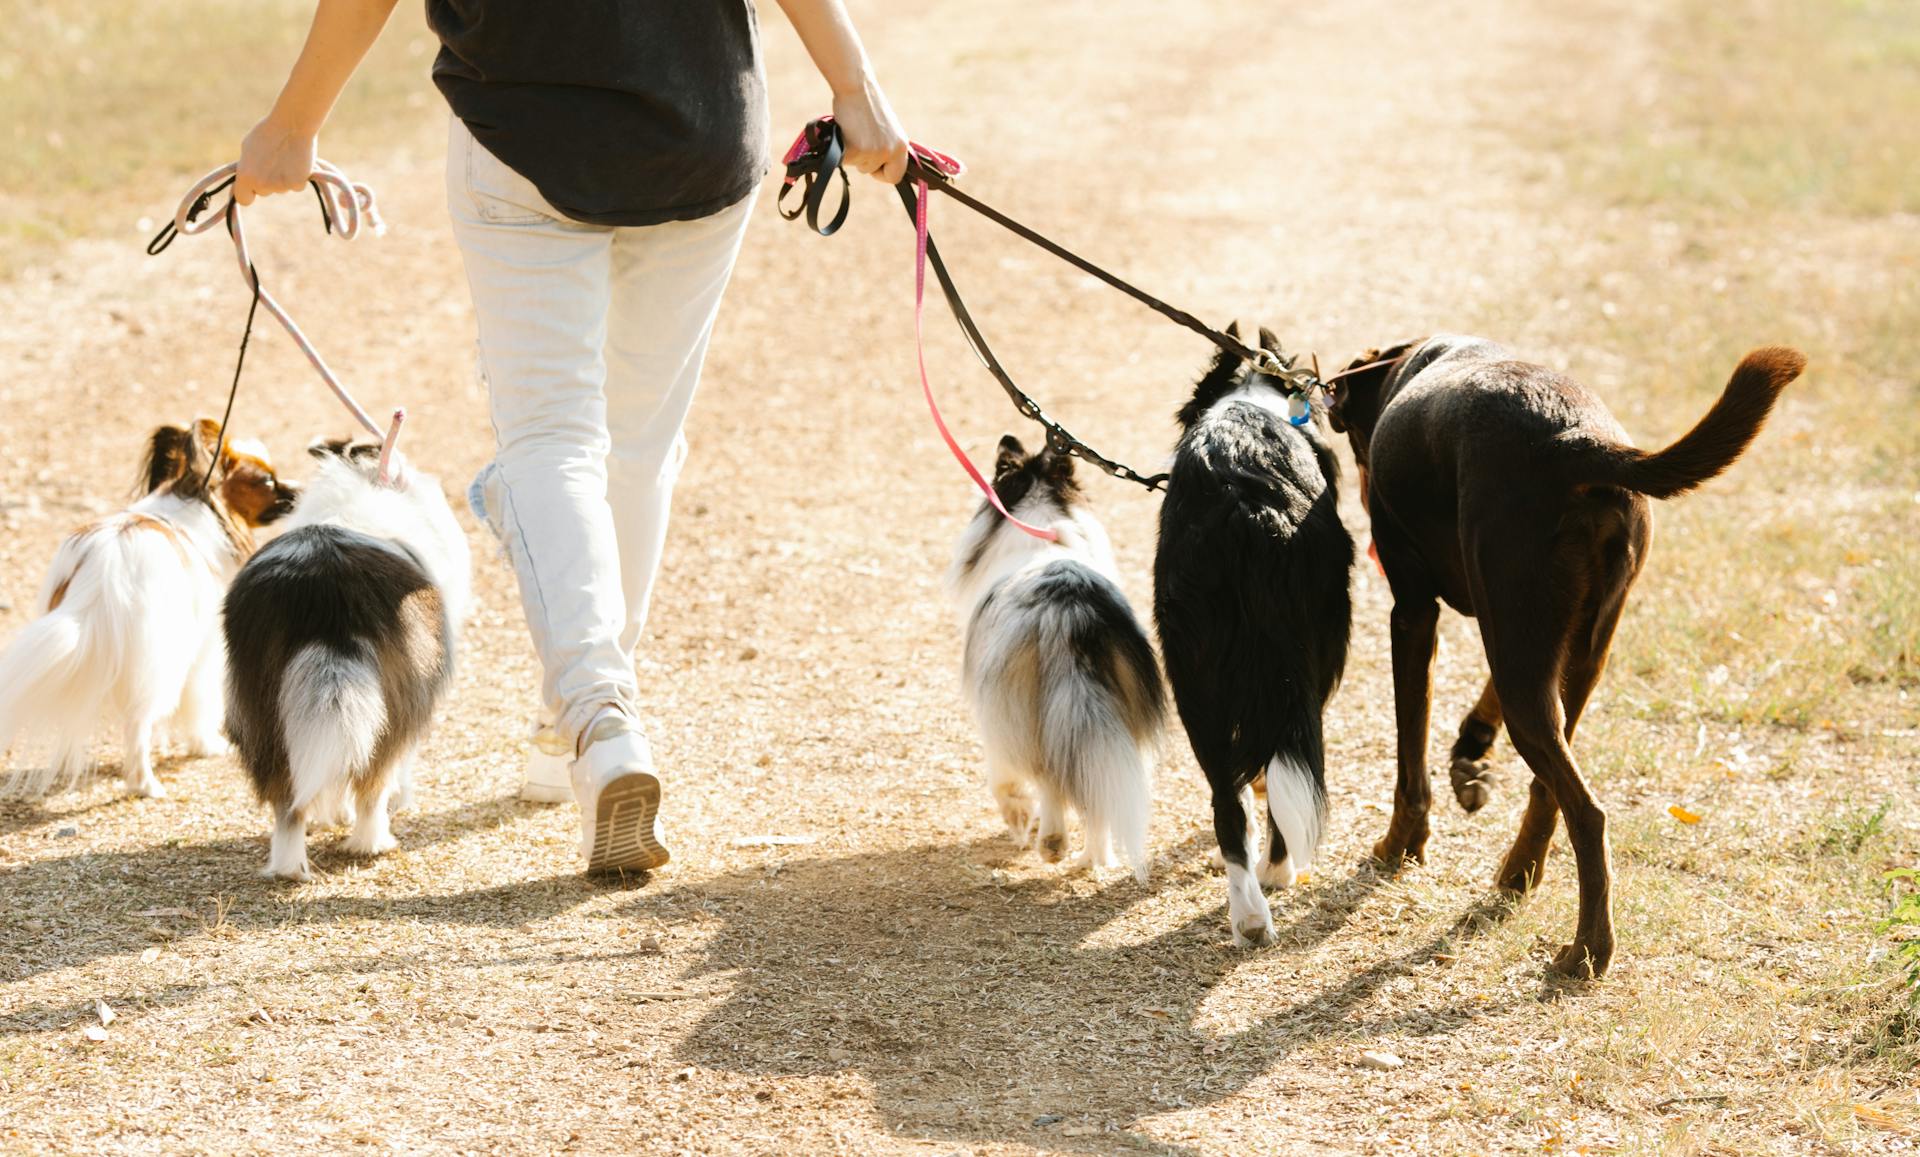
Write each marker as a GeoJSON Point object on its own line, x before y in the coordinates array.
{"type": "Point", "coordinates": [621, 112]}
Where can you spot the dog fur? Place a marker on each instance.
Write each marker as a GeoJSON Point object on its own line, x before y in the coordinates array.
{"type": "Point", "coordinates": [340, 643]}
{"type": "Point", "coordinates": [1059, 673]}
{"type": "Point", "coordinates": [127, 617]}
{"type": "Point", "coordinates": [1251, 597]}
{"type": "Point", "coordinates": [1510, 492]}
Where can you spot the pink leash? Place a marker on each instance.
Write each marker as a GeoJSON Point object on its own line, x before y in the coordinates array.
{"type": "Point", "coordinates": [952, 168]}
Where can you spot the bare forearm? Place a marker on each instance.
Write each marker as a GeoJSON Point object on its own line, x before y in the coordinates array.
{"type": "Point", "coordinates": [279, 154]}
{"type": "Point", "coordinates": [875, 141]}
{"type": "Point", "coordinates": [342, 32]}
{"type": "Point", "coordinates": [831, 40]}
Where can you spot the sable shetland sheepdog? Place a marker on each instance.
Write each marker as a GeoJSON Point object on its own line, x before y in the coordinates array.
{"type": "Point", "coordinates": [128, 612]}
{"type": "Point", "coordinates": [1059, 674]}
{"type": "Point", "coordinates": [340, 642]}
{"type": "Point", "coordinates": [1251, 598]}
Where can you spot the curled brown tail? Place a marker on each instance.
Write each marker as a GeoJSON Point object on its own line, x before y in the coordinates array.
{"type": "Point", "coordinates": [1718, 439]}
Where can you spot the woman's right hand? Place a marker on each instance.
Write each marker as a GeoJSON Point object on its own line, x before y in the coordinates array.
{"type": "Point", "coordinates": [273, 159]}
{"type": "Point", "coordinates": [876, 142]}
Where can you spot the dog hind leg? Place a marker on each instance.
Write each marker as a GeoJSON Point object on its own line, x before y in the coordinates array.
{"type": "Point", "coordinates": [1011, 791]}
{"type": "Point", "coordinates": [203, 702]}
{"type": "Point", "coordinates": [1052, 824]}
{"type": "Point", "coordinates": [372, 829]}
{"type": "Point", "coordinates": [137, 762]}
{"type": "Point", "coordinates": [288, 858]}
{"type": "Point", "coordinates": [1247, 911]}
{"type": "Point", "coordinates": [1413, 626]}
{"type": "Point", "coordinates": [1471, 768]}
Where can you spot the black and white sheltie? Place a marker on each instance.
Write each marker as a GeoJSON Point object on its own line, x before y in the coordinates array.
{"type": "Point", "coordinates": [1059, 673]}
{"type": "Point", "coordinates": [1251, 597]}
{"type": "Point", "coordinates": [340, 642]}
{"type": "Point", "coordinates": [128, 616]}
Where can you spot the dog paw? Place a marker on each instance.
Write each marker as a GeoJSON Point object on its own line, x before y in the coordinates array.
{"type": "Point", "coordinates": [1392, 854]}
{"type": "Point", "coordinates": [149, 788]}
{"type": "Point", "coordinates": [1253, 932]}
{"type": "Point", "coordinates": [1216, 861]}
{"type": "Point", "coordinates": [207, 746]}
{"type": "Point", "coordinates": [1053, 847]}
{"type": "Point", "coordinates": [1577, 962]}
{"type": "Point", "coordinates": [1519, 879]}
{"type": "Point", "coordinates": [297, 873]}
{"type": "Point", "coordinates": [1280, 875]}
{"type": "Point", "coordinates": [1022, 824]}
{"type": "Point", "coordinates": [358, 845]}
{"type": "Point", "coordinates": [1473, 782]}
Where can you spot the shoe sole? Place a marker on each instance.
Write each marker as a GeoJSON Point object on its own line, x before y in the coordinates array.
{"type": "Point", "coordinates": [624, 835]}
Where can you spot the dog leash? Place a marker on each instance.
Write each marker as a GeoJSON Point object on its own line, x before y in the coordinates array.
{"type": "Point", "coordinates": [815, 158]}
{"type": "Point", "coordinates": [344, 206]}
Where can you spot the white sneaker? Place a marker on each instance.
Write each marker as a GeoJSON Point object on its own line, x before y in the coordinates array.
{"type": "Point", "coordinates": [547, 779]}
{"type": "Point", "coordinates": [619, 793]}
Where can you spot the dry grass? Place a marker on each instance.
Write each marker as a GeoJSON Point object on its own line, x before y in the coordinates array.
{"type": "Point", "coordinates": [904, 982]}
{"type": "Point", "coordinates": [116, 95]}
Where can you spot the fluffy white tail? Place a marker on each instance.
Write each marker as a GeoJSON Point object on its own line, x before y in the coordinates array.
{"type": "Point", "coordinates": [1112, 790]}
{"type": "Point", "coordinates": [332, 713]}
{"type": "Point", "coordinates": [44, 686]}
{"type": "Point", "coordinates": [1091, 751]}
{"type": "Point", "coordinates": [1299, 809]}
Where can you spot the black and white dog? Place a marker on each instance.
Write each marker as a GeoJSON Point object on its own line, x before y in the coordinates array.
{"type": "Point", "coordinates": [340, 642]}
{"type": "Point", "coordinates": [1250, 592]}
{"type": "Point", "coordinates": [1059, 673]}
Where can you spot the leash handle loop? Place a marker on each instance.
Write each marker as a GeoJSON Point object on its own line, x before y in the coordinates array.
{"type": "Point", "coordinates": [806, 165]}
{"type": "Point", "coordinates": [344, 207]}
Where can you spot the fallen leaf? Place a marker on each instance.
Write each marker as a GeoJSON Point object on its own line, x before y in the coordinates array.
{"type": "Point", "coordinates": [1081, 1130]}
{"type": "Point", "coordinates": [1380, 1060]}
{"type": "Point", "coordinates": [152, 912]}
{"type": "Point", "coordinates": [94, 1033]}
{"type": "Point", "coordinates": [149, 956]}
{"type": "Point", "coordinates": [1683, 815]}
{"type": "Point", "coordinates": [101, 1010]}
{"type": "Point", "coordinates": [772, 841]}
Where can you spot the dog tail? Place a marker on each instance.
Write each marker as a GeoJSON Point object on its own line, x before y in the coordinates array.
{"type": "Point", "coordinates": [41, 689]}
{"type": "Point", "coordinates": [332, 713]}
{"type": "Point", "coordinates": [1297, 800]}
{"type": "Point", "coordinates": [1103, 709]}
{"type": "Point", "coordinates": [1718, 439]}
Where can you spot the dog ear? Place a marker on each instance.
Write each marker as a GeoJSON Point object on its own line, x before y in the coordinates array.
{"type": "Point", "coordinates": [169, 456]}
{"type": "Point", "coordinates": [1355, 391]}
{"type": "Point", "coordinates": [1269, 342]}
{"type": "Point", "coordinates": [1012, 457]}
{"type": "Point", "coordinates": [328, 447]}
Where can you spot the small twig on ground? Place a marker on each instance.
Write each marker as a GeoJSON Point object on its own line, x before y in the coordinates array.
{"type": "Point", "coordinates": [1707, 1098]}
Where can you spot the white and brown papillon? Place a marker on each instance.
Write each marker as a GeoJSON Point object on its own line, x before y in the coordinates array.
{"type": "Point", "coordinates": [1059, 673]}
{"type": "Point", "coordinates": [127, 622]}
{"type": "Point", "coordinates": [340, 638]}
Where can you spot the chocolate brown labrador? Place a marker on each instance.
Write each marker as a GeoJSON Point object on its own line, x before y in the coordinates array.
{"type": "Point", "coordinates": [1510, 492]}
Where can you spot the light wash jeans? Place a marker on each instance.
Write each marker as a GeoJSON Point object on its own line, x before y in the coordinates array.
{"type": "Point", "coordinates": [591, 340]}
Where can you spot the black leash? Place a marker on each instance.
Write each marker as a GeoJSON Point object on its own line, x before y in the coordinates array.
{"type": "Point", "coordinates": [167, 235]}
{"type": "Point", "coordinates": [815, 159]}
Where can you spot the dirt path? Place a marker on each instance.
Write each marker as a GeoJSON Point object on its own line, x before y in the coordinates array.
{"type": "Point", "coordinates": [900, 981]}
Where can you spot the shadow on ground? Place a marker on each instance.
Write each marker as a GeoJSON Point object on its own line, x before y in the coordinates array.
{"type": "Point", "coordinates": [983, 1010]}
